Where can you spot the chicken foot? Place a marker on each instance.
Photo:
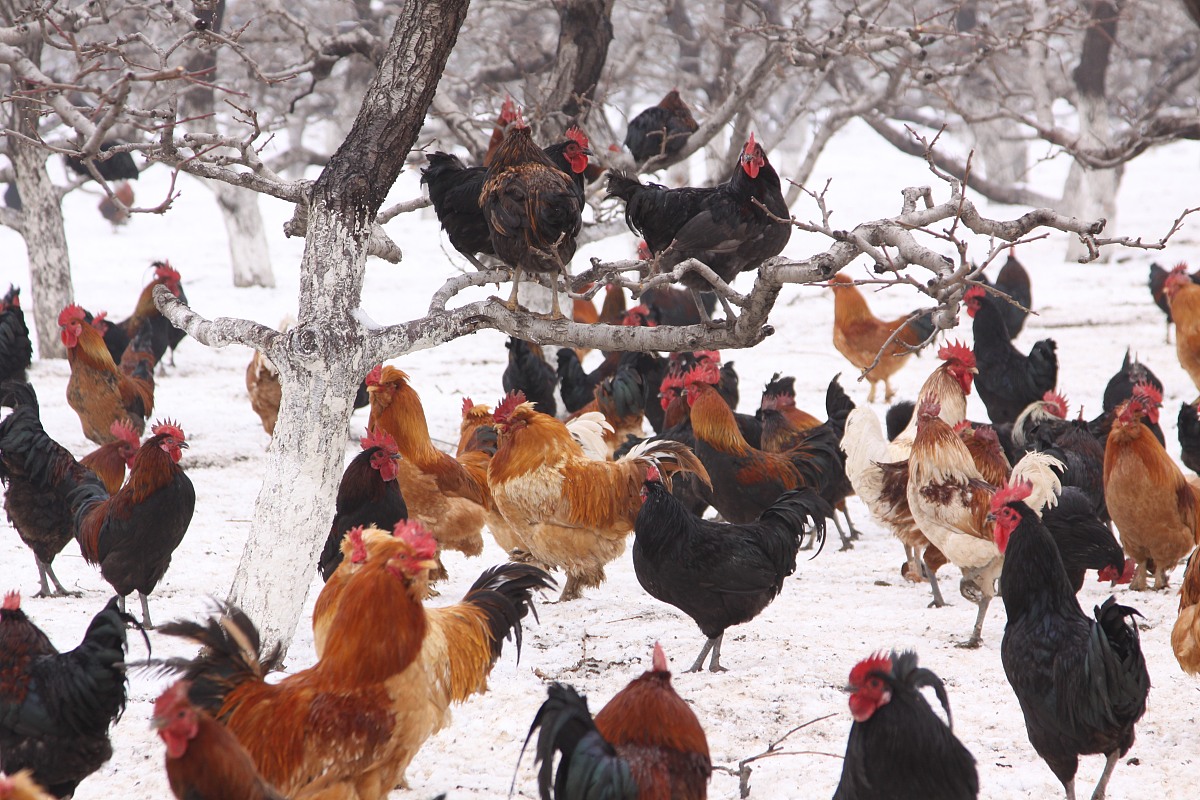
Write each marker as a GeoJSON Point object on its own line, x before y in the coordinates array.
{"type": "Point", "coordinates": [714, 665]}
{"type": "Point", "coordinates": [977, 633]}
{"type": "Point", "coordinates": [847, 540]}
{"type": "Point", "coordinates": [1109, 766]}
{"type": "Point", "coordinates": [938, 601]}
{"type": "Point", "coordinates": [855, 533]}
{"type": "Point", "coordinates": [146, 624]}
{"type": "Point", "coordinates": [44, 591]}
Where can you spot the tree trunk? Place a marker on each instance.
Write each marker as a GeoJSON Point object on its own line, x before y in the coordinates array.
{"type": "Point", "coordinates": [248, 251]}
{"type": "Point", "coordinates": [583, 42]}
{"type": "Point", "coordinates": [322, 358]}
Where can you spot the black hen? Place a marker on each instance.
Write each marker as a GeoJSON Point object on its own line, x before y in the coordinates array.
{"type": "Point", "coordinates": [16, 351]}
{"type": "Point", "coordinates": [56, 708]}
{"type": "Point", "coordinates": [719, 574]}
{"type": "Point", "coordinates": [579, 387]}
{"type": "Point", "coordinates": [1083, 459]}
{"type": "Point", "coordinates": [661, 130]}
{"type": "Point", "coordinates": [528, 372]}
{"type": "Point", "coordinates": [118, 167]}
{"type": "Point", "coordinates": [1189, 436]}
{"type": "Point", "coordinates": [1081, 682]}
{"type": "Point", "coordinates": [1013, 280]}
{"type": "Point", "coordinates": [1084, 542]}
{"type": "Point", "coordinates": [1118, 390]}
{"type": "Point", "coordinates": [724, 227]}
{"type": "Point", "coordinates": [1158, 285]}
{"type": "Point", "coordinates": [898, 748]}
{"type": "Point", "coordinates": [1008, 381]}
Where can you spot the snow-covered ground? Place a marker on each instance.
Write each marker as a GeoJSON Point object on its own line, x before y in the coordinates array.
{"type": "Point", "coordinates": [788, 666]}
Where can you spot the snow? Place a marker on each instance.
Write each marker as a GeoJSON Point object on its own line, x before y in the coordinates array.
{"type": "Point", "coordinates": [788, 666]}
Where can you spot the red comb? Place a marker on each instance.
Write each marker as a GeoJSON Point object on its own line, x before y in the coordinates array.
{"type": "Point", "coordinates": [930, 406]}
{"type": "Point", "coordinates": [1058, 402]}
{"type": "Point", "coordinates": [876, 662]}
{"type": "Point", "coordinates": [414, 534]}
{"type": "Point", "coordinates": [704, 372]}
{"type": "Point", "coordinates": [508, 110]}
{"type": "Point", "coordinates": [1147, 391]}
{"type": "Point", "coordinates": [507, 405]}
{"type": "Point", "coordinates": [175, 695]}
{"type": "Point", "coordinates": [577, 136]}
{"type": "Point", "coordinates": [658, 663]}
{"type": "Point", "coordinates": [358, 549]}
{"type": "Point", "coordinates": [12, 600]}
{"type": "Point", "coordinates": [707, 355]}
{"type": "Point", "coordinates": [379, 438]}
{"type": "Point", "coordinates": [124, 431]}
{"type": "Point", "coordinates": [958, 351]}
{"type": "Point", "coordinates": [974, 292]}
{"type": "Point", "coordinates": [1180, 267]}
{"type": "Point", "coordinates": [749, 148]}
{"type": "Point", "coordinates": [962, 426]}
{"type": "Point", "coordinates": [71, 313]}
{"type": "Point", "coordinates": [164, 271]}
{"type": "Point", "coordinates": [652, 473]}
{"type": "Point", "coordinates": [168, 427]}
{"type": "Point", "coordinates": [374, 376]}
{"type": "Point", "coordinates": [1010, 493]}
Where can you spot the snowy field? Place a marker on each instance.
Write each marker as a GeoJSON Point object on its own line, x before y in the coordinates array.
{"type": "Point", "coordinates": [789, 665]}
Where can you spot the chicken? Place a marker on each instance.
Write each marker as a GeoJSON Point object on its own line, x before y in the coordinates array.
{"type": "Point", "coordinates": [265, 390]}
{"type": "Point", "coordinates": [1158, 285]}
{"type": "Point", "coordinates": [38, 474]}
{"type": "Point", "coordinates": [860, 336]}
{"type": "Point", "coordinates": [348, 726]}
{"type": "Point", "coordinates": [454, 190]}
{"type": "Point", "coordinates": [898, 748]}
{"type": "Point", "coordinates": [97, 390]}
{"type": "Point", "coordinates": [116, 167]}
{"type": "Point", "coordinates": [1119, 389]}
{"type": "Point", "coordinates": [1081, 682]}
{"type": "Point", "coordinates": [163, 335]}
{"type": "Point", "coordinates": [109, 461]}
{"type": "Point", "coordinates": [949, 501]}
{"type": "Point", "coordinates": [369, 494]}
{"type": "Point", "coordinates": [56, 708]}
{"type": "Point", "coordinates": [1154, 508]}
{"type": "Point", "coordinates": [719, 574]}
{"type": "Point", "coordinates": [574, 512]}
{"type": "Point", "coordinates": [533, 211]}
{"type": "Point", "coordinates": [1013, 281]}
{"type": "Point", "coordinates": [672, 306]}
{"type": "Point", "coordinates": [528, 372]}
{"type": "Point", "coordinates": [661, 130]}
{"type": "Point", "coordinates": [1008, 381]}
{"type": "Point", "coordinates": [111, 210]}
{"type": "Point", "coordinates": [204, 760]}
{"type": "Point", "coordinates": [878, 469]}
{"type": "Point", "coordinates": [1185, 635]}
{"type": "Point", "coordinates": [646, 743]}
{"type": "Point", "coordinates": [131, 535]}
{"type": "Point", "coordinates": [1188, 427]}
{"type": "Point", "coordinates": [724, 227]}
{"type": "Point", "coordinates": [16, 351]}
{"type": "Point", "coordinates": [447, 496]}
{"type": "Point", "coordinates": [21, 786]}
{"type": "Point", "coordinates": [1039, 424]}
{"type": "Point", "coordinates": [509, 113]}
{"type": "Point", "coordinates": [620, 399]}
{"type": "Point", "coordinates": [1184, 298]}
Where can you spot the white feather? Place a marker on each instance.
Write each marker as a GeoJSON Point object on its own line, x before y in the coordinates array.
{"type": "Point", "coordinates": [588, 430]}
{"type": "Point", "coordinates": [1039, 470]}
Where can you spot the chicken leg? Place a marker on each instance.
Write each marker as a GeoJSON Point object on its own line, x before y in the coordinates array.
{"type": "Point", "coordinates": [977, 633]}
{"type": "Point", "coordinates": [46, 570]}
{"type": "Point", "coordinates": [1111, 764]}
{"type": "Point", "coordinates": [714, 665]}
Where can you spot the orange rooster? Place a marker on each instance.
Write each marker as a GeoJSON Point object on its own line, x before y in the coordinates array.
{"type": "Point", "coordinates": [449, 497]}
{"type": "Point", "coordinates": [203, 758]}
{"type": "Point", "coordinates": [950, 502]}
{"type": "Point", "coordinates": [646, 743]}
{"type": "Point", "coordinates": [1183, 296]}
{"type": "Point", "coordinates": [265, 390]}
{"type": "Point", "coordinates": [348, 726]}
{"type": "Point", "coordinates": [1156, 511]}
{"type": "Point", "coordinates": [574, 512]}
{"type": "Point", "coordinates": [509, 114]}
{"type": "Point", "coordinates": [859, 336]}
{"type": "Point", "coordinates": [22, 786]}
{"type": "Point", "coordinates": [110, 460]}
{"type": "Point", "coordinates": [1185, 635]}
{"type": "Point", "coordinates": [99, 392]}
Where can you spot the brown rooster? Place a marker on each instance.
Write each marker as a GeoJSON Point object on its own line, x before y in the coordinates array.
{"type": "Point", "coordinates": [1185, 635]}
{"type": "Point", "coordinates": [1183, 295]}
{"type": "Point", "coordinates": [99, 392]}
{"type": "Point", "coordinates": [533, 209]}
{"type": "Point", "coordinates": [660, 130]}
{"type": "Point", "coordinates": [859, 336]}
{"type": "Point", "coordinates": [21, 786]}
{"type": "Point", "coordinates": [109, 461]}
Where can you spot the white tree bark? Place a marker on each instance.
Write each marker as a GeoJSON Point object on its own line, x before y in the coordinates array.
{"type": "Point", "coordinates": [1091, 193]}
{"type": "Point", "coordinates": [248, 251]}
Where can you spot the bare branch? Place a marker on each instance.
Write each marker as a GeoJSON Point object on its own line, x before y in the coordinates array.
{"type": "Point", "coordinates": [219, 332]}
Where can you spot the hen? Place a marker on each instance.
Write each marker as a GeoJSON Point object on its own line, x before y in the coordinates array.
{"type": "Point", "coordinates": [575, 511]}
{"type": "Point", "coordinates": [131, 535]}
{"type": "Point", "coordinates": [533, 211]}
{"type": "Point", "coordinates": [1081, 682]}
{"type": "Point", "coordinates": [21, 786]}
{"type": "Point", "coordinates": [1154, 508]}
{"type": "Point", "coordinates": [724, 227]}
{"type": "Point", "coordinates": [860, 336]}
{"type": "Point", "coordinates": [204, 760]}
{"type": "Point", "coordinates": [1158, 285]}
{"type": "Point", "coordinates": [1119, 389]}
{"type": "Point", "coordinates": [898, 748]}
{"type": "Point", "coordinates": [1185, 634]}
{"type": "Point", "coordinates": [528, 372]}
{"type": "Point", "coordinates": [265, 390]}
{"type": "Point", "coordinates": [717, 573]}
{"type": "Point", "coordinates": [1008, 381]}
{"type": "Point", "coordinates": [56, 708]}
{"type": "Point", "coordinates": [16, 351]}
{"type": "Point", "coordinates": [1013, 281]}
{"type": "Point", "coordinates": [1184, 298]}
{"type": "Point", "coordinates": [660, 130]}
{"type": "Point", "coordinates": [645, 744]}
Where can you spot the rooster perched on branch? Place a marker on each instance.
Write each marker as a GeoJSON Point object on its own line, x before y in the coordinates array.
{"type": "Point", "coordinates": [660, 130]}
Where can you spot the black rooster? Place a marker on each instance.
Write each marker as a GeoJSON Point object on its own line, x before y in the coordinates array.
{"type": "Point", "coordinates": [1008, 381]}
{"type": "Point", "coordinates": [719, 574]}
{"type": "Point", "coordinates": [527, 371]}
{"type": "Point", "coordinates": [56, 708]}
{"type": "Point", "coordinates": [117, 167]}
{"type": "Point", "coordinates": [1189, 436]}
{"type": "Point", "coordinates": [898, 748]}
{"type": "Point", "coordinates": [1013, 281]}
{"type": "Point", "coordinates": [1081, 682]}
{"type": "Point", "coordinates": [16, 351]}
{"type": "Point", "coordinates": [1083, 541]}
{"type": "Point", "coordinates": [660, 130]}
{"type": "Point", "coordinates": [724, 227]}
{"type": "Point", "coordinates": [1119, 389]}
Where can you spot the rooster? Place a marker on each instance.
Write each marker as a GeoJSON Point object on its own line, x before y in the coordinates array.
{"type": "Point", "coordinates": [163, 335]}
{"type": "Point", "coordinates": [109, 461]}
{"type": "Point", "coordinates": [1184, 297]}
{"type": "Point", "coordinates": [533, 211]}
{"type": "Point", "coordinates": [111, 210]}
{"type": "Point", "coordinates": [719, 574]}
{"type": "Point", "coordinates": [265, 390]}
{"type": "Point", "coordinates": [21, 786]}
{"type": "Point", "coordinates": [724, 227]}
{"type": "Point", "coordinates": [56, 708]}
{"type": "Point", "coordinates": [16, 351]}
{"type": "Point", "coordinates": [131, 535]}
{"type": "Point", "coordinates": [1185, 635]}
{"type": "Point", "coordinates": [645, 743]}
{"type": "Point", "coordinates": [509, 113]}
{"type": "Point", "coordinates": [898, 748]}
{"type": "Point", "coordinates": [351, 723]}
{"type": "Point", "coordinates": [528, 372]}
{"type": "Point", "coordinates": [1081, 682]}
{"type": "Point", "coordinates": [949, 501]}
{"type": "Point", "coordinates": [576, 510]}
{"type": "Point", "coordinates": [1158, 284]}
{"type": "Point", "coordinates": [116, 167]}
{"type": "Point", "coordinates": [1008, 381]}
{"type": "Point", "coordinates": [204, 760]}
{"type": "Point", "coordinates": [1154, 508]}
{"type": "Point", "coordinates": [860, 336]}
{"type": "Point", "coordinates": [662, 130]}
{"type": "Point", "coordinates": [369, 494]}
{"type": "Point", "coordinates": [1013, 281]}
